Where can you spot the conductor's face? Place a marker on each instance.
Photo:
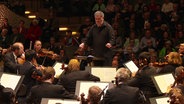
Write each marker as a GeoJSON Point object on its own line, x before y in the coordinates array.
{"type": "Point", "coordinates": [99, 20]}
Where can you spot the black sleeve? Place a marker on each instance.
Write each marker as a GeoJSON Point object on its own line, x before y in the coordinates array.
{"type": "Point", "coordinates": [107, 98]}
{"type": "Point", "coordinates": [93, 78]}
{"type": "Point", "coordinates": [66, 94]}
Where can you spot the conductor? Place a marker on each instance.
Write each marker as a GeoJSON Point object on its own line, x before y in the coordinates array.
{"type": "Point", "coordinates": [100, 38]}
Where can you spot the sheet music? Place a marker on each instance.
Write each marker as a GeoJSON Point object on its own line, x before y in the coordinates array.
{"type": "Point", "coordinates": [163, 100]}
{"type": "Point", "coordinates": [57, 67]}
{"type": "Point", "coordinates": [83, 86]}
{"type": "Point", "coordinates": [131, 66]}
{"type": "Point", "coordinates": [106, 74]}
{"type": "Point", "coordinates": [9, 80]}
{"type": "Point", "coordinates": [59, 101]}
{"type": "Point", "coordinates": [164, 81]}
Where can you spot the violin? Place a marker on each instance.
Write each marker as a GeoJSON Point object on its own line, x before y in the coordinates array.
{"type": "Point", "coordinates": [46, 53]}
{"type": "Point", "coordinates": [21, 59]}
{"type": "Point", "coordinates": [35, 75]}
{"type": "Point", "coordinates": [159, 64]}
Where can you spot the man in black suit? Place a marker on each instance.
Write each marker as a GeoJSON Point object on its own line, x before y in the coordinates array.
{"type": "Point", "coordinates": [73, 74]}
{"type": "Point", "coordinates": [46, 89]}
{"type": "Point", "coordinates": [122, 93]}
{"type": "Point", "coordinates": [11, 64]}
{"type": "Point", "coordinates": [29, 69]}
{"type": "Point", "coordinates": [142, 79]}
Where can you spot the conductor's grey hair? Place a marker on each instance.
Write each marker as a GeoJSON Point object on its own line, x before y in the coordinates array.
{"type": "Point", "coordinates": [99, 13]}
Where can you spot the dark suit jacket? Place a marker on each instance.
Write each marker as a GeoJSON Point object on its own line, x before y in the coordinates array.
{"type": "Point", "coordinates": [10, 66]}
{"type": "Point", "coordinates": [143, 81]}
{"type": "Point", "coordinates": [123, 94]}
{"type": "Point", "coordinates": [27, 70]}
{"type": "Point", "coordinates": [168, 69]}
{"type": "Point", "coordinates": [69, 80]}
{"type": "Point", "coordinates": [47, 90]}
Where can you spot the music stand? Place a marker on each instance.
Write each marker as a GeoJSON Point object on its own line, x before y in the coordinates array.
{"type": "Point", "coordinates": [106, 74]}
{"type": "Point", "coordinates": [159, 100]}
{"type": "Point", "coordinates": [89, 59]}
{"type": "Point", "coordinates": [163, 81]}
{"type": "Point", "coordinates": [58, 101]}
{"type": "Point", "coordinates": [11, 80]}
{"type": "Point", "coordinates": [83, 86]}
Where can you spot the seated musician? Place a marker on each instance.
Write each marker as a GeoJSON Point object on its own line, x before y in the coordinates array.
{"type": "Point", "coordinates": [73, 74]}
{"type": "Point", "coordinates": [176, 93]}
{"type": "Point", "coordinates": [48, 90]}
{"type": "Point", "coordinates": [174, 60]}
{"type": "Point", "coordinates": [37, 47]}
{"type": "Point", "coordinates": [44, 54]}
{"type": "Point", "coordinates": [122, 93]}
{"type": "Point", "coordinates": [181, 52]}
{"type": "Point", "coordinates": [29, 68]}
{"type": "Point", "coordinates": [7, 95]}
{"type": "Point", "coordinates": [93, 96]}
{"type": "Point", "coordinates": [142, 78]}
{"type": "Point", "coordinates": [11, 64]}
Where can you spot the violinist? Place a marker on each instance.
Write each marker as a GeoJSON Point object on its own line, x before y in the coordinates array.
{"type": "Point", "coordinates": [43, 54]}
{"type": "Point", "coordinates": [11, 64]}
{"type": "Point", "coordinates": [28, 69]}
{"type": "Point", "coordinates": [181, 52]}
{"type": "Point", "coordinates": [174, 60]}
{"type": "Point", "coordinates": [93, 96]}
{"type": "Point", "coordinates": [37, 47]}
{"type": "Point", "coordinates": [122, 93]}
{"type": "Point", "coordinates": [142, 78]}
{"type": "Point", "coordinates": [176, 93]}
{"type": "Point", "coordinates": [48, 90]}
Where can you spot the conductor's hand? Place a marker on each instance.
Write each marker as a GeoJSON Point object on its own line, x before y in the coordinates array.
{"type": "Point", "coordinates": [81, 45]}
{"type": "Point", "coordinates": [108, 45]}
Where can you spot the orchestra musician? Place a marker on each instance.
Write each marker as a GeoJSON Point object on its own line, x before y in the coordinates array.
{"type": "Point", "coordinates": [11, 64]}
{"type": "Point", "coordinates": [176, 93]}
{"type": "Point", "coordinates": [30, 70]}
{"type": "Point", "coordinates": [174, 60]}
{"type": "Point", "coordinates": [181, 52]}
{"type": "Point", "coordinates": [142, 78]}
{"type": "Point", "coordinates": [48, 90]}
{"type": "Point", "coordinates": [43, 54]}
{"type": "Point", "coordinates": [73, 74]}
{"type": "Point", "coordinates": [122, 93]}
{"type": "Point", "coordinates": [93, 96]}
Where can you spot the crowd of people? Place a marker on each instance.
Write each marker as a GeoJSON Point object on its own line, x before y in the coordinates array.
{"type": "Point", "coordinates": [151, 35]}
